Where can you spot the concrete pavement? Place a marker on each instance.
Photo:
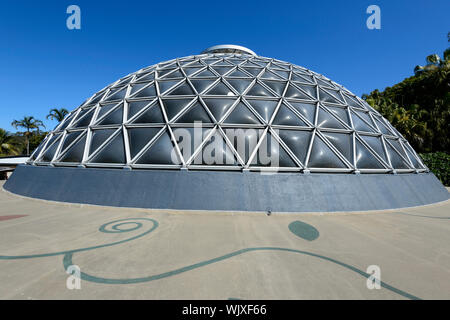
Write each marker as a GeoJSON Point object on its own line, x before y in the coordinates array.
{"type": "Point", "coordinates": [159, 254]}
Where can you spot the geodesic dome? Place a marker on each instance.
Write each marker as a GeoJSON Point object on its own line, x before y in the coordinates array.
{"type": "Point", "coordinates": [319, 125]}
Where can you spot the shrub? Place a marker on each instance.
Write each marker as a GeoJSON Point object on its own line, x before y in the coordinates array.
{"type": "Point", "coordinates": [439, 164]}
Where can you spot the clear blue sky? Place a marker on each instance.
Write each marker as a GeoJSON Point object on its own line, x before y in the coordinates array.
{"type": "Point", "coordinates": [44, 65]}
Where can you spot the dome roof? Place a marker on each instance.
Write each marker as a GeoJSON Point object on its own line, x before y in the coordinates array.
{"type": "Point", "coordinates": [219, 110]}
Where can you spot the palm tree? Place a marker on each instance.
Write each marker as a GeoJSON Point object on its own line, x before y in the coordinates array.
{"type": "Point", "coordinates": [29, 123]}
{"type": "Point", "coordinates": [8, 145]}
{"type": "Point", "coordinates": [57, 114]}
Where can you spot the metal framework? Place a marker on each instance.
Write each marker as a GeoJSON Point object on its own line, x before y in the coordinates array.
{"type": "Point", "coordinates": [319, 125]}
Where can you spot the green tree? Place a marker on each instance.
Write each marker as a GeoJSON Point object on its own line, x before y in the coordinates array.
{"type": "Point", "coordinates": [419, 106]}
{"type": "Point", "coordinates": [9, 145]}
{"type": "Point", "coordinates": [57, 114]}
{"type": "Point", "coordinates": [29, 124]}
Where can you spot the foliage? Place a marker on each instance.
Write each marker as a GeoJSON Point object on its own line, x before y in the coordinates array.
{"type": "Point", "coordinates": [9, 144]}
{"type": "Point", "coordinates": [29, 124]}
{"type": "Point", "coordinates": [439, 164]}
{"type": "Point", "coordinates": [419, 106]}
{"type": "Point", "coordinates": [57, 114]}
{"type": "Point", "coordinates": [36, 139]}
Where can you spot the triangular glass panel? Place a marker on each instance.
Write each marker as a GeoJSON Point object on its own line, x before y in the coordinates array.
{"type": "Point", "coordinates": [311, 90]}
{"type": "Point", "coordinates": [323, 157]}
{"type": "Point", "coordinates": [76, 151]}
{"type": "Point", "coordinates": [85, 117]}
{"type": "Point", "coordinates": [365, 116]}
{"type": "Point", "coordinates": [189, 139]}
{"type": "Point", "coordinates": [223, 64]}
{"type": "Point", "coordinates": [250, 64]}
{"type": "Point", "coordinates": [97, 97]}
{"type": "Point", "coordinates": [135, 106]}
{"type": "Point", "coordinates": [287, 118]}
{"type": "Point", "coordinates": [167, 65]}
{"type": "Point", "coordinates": [396, 161]}
{"type": "Point", "coordinates": [66, 121]}
{"type": "Point", "coordinates": [210, 60]}
{"type": "Point", "coordinates": [271, 154]}
{"type": "Point", "coordinates": [242, 115]}
{"type": "Point", "coordinates": [146, 77]}
{"type": "Point", "coordinates": [324, 83]}
{"type": "Point", "coordinates": [301, 78]}
{"type": "Point", "coordinates": [367, 106]}
{"type": "Point", "coordinates": [70, 137]}
{"type": "Point", "coordinates": [326, 120]}
{"type": "Point", "coordinates": [283, 74]}
{"type": "Point", "coordinates": [343, 142]}
{"type": "Point", "coordinates": [376, 144]}
{"type": "Point", "coordinates": [139, 137]}
{"type": "Point", "coordinates": [99, 137]}
{"type": "Point", "coordinates": [238, 74]}
{"type": "Point", "coordinates": [340, 113]}
{"type": "Point", "coordinates": [136, 87]}
{"type": "Point", "coordinates": [105, 109]}
{"type": "Point", "coordinates": [297, 141]}
{"type": "Point", "coordinates": [194, 64]}
{"type": "Point", "coordinates": [151, 115]}
{"type": "Point", "coordinates": [205, 74]}
{"type": "Point", "coordinates": [162, 73]}
{"type": "Point", "coordinates": [383, 128]}
{"type": "Point", "coordinates": [270, 76]}
{"type": "Point", "coordinates": [306, 109]}
{"type": "Point", "coordinates": [149, 91]}
{"type": "Point", "coordinates": [326, 96]}
{"type": "Point", "coordinates": [113, 152]}
{"type": "Point", "coordinates": [195, 113]}
{"type": "Point", "coordinates": [162, 151]}
{"type": "Point", "coordinates": [201, 84]}
{"type": "Point", "coordinates": [293, 92]}
{"type": "Point", "coordinates": [185, 61]}
{"type": "Point", "coordinates": [359, 124]}
{"type": "Point", "coordinates": [235, 61]}
{"type": "Point", "coordinates": [114, 117]}
{"type": "Point", "coordinates": [173, 75]}
{"type": "Point", "coordinates": [123, 81]}
{"type": "Point", "coordinates": [174, 106]}
{"type": "Point", "coordinates": [218, 107]}
{"type": "Point", "coordinates": [352, 102]}
{"type": "Point", "coordinates": [51, 148]}
{"type": "Point", "coordinates": [365, 159]}
{"type": "Point", "coordinates": [412, 156]}
{"type": "Point", "coordinates": [215, 152]}
{"type": "Point", "coordinates": [220, 89]}
{"type": "Point", "coordinates": [244, 141]}
{"type": "Point", "coordinates": [183, 89]}
{"type": "Point", "coordinates": [277, 86]}
{"type": "Point", "coordinates": [240, 84]}
{"type": "Point", "coordinates": [166, 85]}
{"type": "Point", "coordinates": [253, 71]}
{"type": "Point", "coordinates": [221, 70]}
{"type": "Point", "coordinates": [259, 90]}
{"type": "Point", "coordinates": [36, 151]}
{"type": "Point", "coordinates": [265, 108]}
{"type": "Point", "coordinates": [116, 94]}
{"type": "Point", "coordinates": [190, 71]}
{"type": "Point", "coordinates": [278, 65]}
{"type": "Point", "coordinates": [398, 147]}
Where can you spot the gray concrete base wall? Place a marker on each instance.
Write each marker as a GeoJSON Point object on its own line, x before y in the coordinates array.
{"type": "Point", "coordinates": [230, 191]}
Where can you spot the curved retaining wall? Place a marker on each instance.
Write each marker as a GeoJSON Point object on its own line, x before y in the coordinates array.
{"type": "Point", "coordinates": [230, 191]}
